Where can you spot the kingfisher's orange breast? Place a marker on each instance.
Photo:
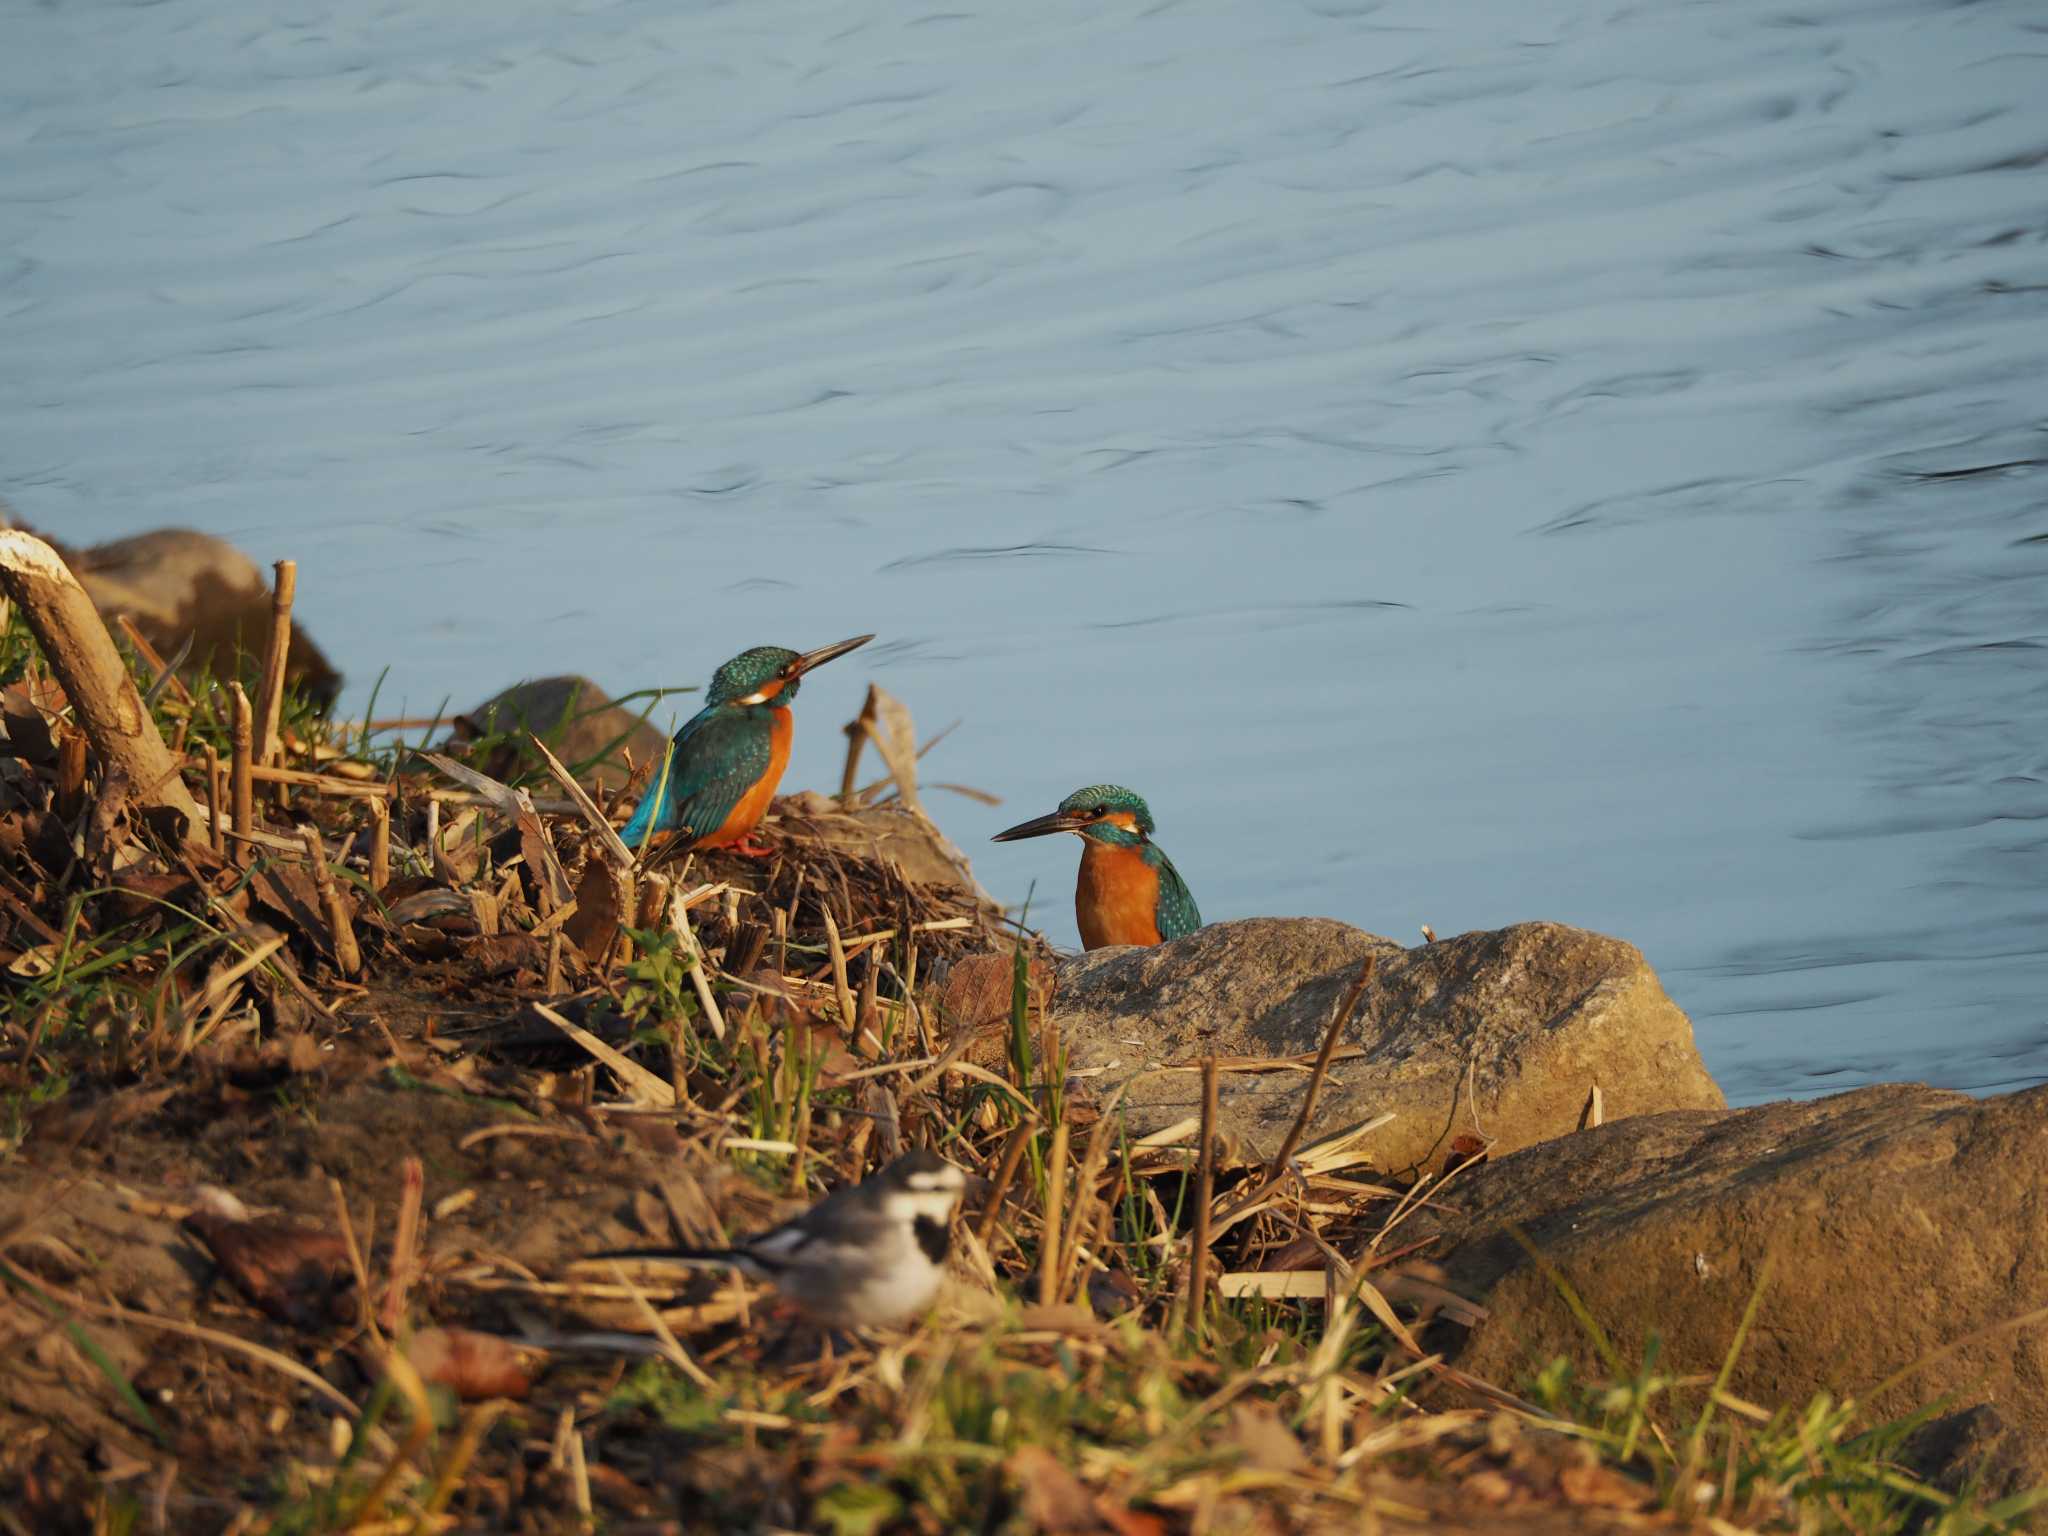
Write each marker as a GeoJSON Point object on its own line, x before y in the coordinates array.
{"type": "Point", "coordinates": [753, 805]}
{"type": "Point", "coordinates": [1117, 899]}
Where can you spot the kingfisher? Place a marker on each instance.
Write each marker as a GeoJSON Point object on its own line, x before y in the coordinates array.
{"type": "Point", "coordinates": [727, 759]}
{"type": "Point", "coordinates": [1129, 892]}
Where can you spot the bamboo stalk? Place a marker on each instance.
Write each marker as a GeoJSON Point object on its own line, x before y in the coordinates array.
{"type": "Point", "coordinates": [1205, 1193]}
{"type": "Point", "coordinates": [347, 957]}
{"type": "Point", "coordinates": [270, 693]}
{"type": "Point", "coordinates": [1049, 1237]}
{"type": "Point", "coordinates": [75, 643]}
{"type": "Point", "coordinates": [241, 737]}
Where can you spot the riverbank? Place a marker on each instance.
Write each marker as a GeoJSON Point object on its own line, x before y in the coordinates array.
{"type": "Point", "coordinates": [305, 1123]}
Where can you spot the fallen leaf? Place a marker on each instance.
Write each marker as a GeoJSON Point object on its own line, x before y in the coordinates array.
{"type": "Point", "coordinates": [1593, 1486]}
{"type": "Point", "coordinates": [473, 1365]}
{"type": "Point", "coordinates": [1051, 1497]}
{"type": "Point", "coordinates": [293, 1273]}
{"type": "Point", "coordinates": [1266, 1442]}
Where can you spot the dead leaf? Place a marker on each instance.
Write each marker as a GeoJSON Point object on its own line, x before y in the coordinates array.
{"type": "Point", "coordinates": [473, 1365]}
{"type": "Point", "coordinates": [1051, 1497]}
{"type": "Point", "coordinates": [1466, 1152]}
{"type": "Point", "coordinates": [1593, 1486]}
{"type": "Point", "coordinates": [293, 1273]}
{"type": "Point", "coordinates": [1267, 1443]}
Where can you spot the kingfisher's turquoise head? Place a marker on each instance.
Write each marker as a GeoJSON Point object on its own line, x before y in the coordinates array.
{"type": "Point", "coordinates": [768, 674]}
{"type": "Point", "coordinates": [1107, 813]}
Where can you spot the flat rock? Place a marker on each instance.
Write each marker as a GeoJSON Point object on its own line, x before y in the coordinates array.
{"type": "Point", "coordinates": [1903, 1219]}
{"type": "Point", "coordinates": [575, 717]}
{"type": "Point", "coordinates": [1500, 1034]}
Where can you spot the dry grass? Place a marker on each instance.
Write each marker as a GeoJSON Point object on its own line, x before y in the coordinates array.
{"type": "Point", "coordinates": [447, 1084]}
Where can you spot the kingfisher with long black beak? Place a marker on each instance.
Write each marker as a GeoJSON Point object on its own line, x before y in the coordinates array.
{"type": "Point", "coordinates": [1129, 892]}
{"type": "Point", "coordinates": [727, 759]}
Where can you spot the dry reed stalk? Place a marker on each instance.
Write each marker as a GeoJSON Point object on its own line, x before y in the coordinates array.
{"type": "Point", "coordinates": [153, 660]}
{"type": "Point", "coordinates": [849, 1018]}
{"type": "Point", "coordinates": [1006, 1173]}
{"type": "Point", "coordinates": [856, 738]}
{"type": "Point", "coordinates": [216, 803]}
{"type": "Point", "coordinates": [554, 976]}
{"type": "Point", "coordinates": [270, 692]}
{"type": "Point", "coordinates": [693, 957]}
{"type": "Point", "coordinates": [241, 733]}
{"type": "Point", "coordinates": [1049, 1236]}
{"type": "Point", "coordinates": [405, 1244]}
{"type": "Point", "coordinates": [1595, 1111]}
{"type": "Point", "coordinates": [1205, 1194]}
{"type": "Point", "coordinates": [324, 783]}
{"type": "Point", "coordinates": [341, 929]}
{"type": "Point", "coordinates": [1295, 1132]}
{"type": "Point", "coordinates": [608, 841]}
{"type": "Point", "coordinates": [380, 845]}
{"type": "Point", "coordinates": [79, 651]}
{"type": "Point", "coordinates": [629, 1072]}
{"type": "Point", "coordinates": [356, 1263]}
{"type": "Point", "coordinates": [1092, 1159]}
{"type": "Point", "coordinates": [867, 1011]}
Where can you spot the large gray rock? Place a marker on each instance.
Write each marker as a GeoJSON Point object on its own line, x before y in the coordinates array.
{"type": "Point", "coordinates": [1903, 1220]}
{"type": "Point", "coordinates": [1528, 1018]}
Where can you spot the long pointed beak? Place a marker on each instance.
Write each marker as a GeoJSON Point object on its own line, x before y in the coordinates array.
{"type": "Point", "coordinates": [1039, 826]}
{"type": "Point", "coordinates": [825, 653]}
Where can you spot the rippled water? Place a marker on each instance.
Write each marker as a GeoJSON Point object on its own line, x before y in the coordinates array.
{"type": "Point", "coordinates": [1463, 463]}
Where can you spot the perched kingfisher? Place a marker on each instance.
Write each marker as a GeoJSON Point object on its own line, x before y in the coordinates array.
{"type": "Point", "coordinates": [1129, 892]}
{"type": "Point", "coordinates": [728, 758]}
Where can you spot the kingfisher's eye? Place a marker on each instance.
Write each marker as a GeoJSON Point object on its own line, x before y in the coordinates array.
{"type": "Point", "coordinates": [1100, 810]}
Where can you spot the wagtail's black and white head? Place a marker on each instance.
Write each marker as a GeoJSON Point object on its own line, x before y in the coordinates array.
{"type": "Point", "coordinates": [866, 1256]}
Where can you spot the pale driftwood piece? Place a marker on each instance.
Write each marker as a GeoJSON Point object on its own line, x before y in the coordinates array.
{"type": "Point", "coordinates": [241, 738]}
{"type": "Point", "coordinates": [347, 957]}
{"type": "Point", "coordinates": [270, 694]}
{"type": "Point", "coordinates": [79, 650]}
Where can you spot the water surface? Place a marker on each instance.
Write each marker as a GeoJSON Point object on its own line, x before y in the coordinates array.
{"type": "Point", "coordinates": [1463, 463]}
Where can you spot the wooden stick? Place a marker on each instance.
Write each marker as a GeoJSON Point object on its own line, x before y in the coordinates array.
{"type": "Point", "coordinates": [380, 845]}
{"type": "Point", "coordinates": [241, 737]}
{"type": "Point", "coordinates": [1049, 1237]}
{"type": "Point", "coordinates": [347, 957]}
{"type": "Point", "coordinates": [79, 650]}
{"type": "Point", "coordinates": [1205, 1193]}
{"type": "Point", "coordinates": [1595, 1111]}
{"type": "Point", "coordinates": [270, 693]}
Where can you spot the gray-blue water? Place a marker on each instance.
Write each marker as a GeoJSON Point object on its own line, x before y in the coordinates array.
{"type": "Point", "coordinates": [1463, 463]}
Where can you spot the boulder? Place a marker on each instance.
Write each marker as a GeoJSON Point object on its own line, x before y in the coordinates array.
{"type": "Point", "coordinates": [575, 717]}
{"type": "Point", "coordinates": [1904, 1220]}
{"type": "Point", "coordinates": [173, 582]}
{"type": "Point", "coordinates": [1500, 1035]}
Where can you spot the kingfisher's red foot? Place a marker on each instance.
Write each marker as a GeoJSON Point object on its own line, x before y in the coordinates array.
{"type": "Point", "coordinates": [751, 847]}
